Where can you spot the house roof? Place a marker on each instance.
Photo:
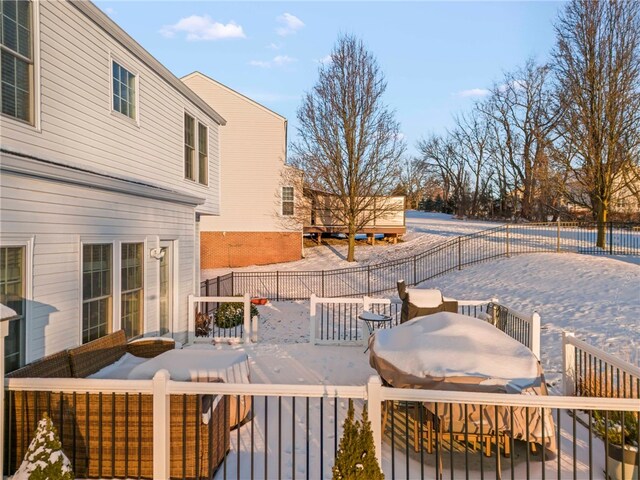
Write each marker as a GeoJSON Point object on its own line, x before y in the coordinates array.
{"type": "Point", "coordinates": [97, 16]}
{"type": "Point", "coordinates": [232, 91]}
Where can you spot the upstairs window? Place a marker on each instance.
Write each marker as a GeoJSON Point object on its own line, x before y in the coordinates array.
{"type": "Point", "coordinates": [17, 59]}
{"type": "Point", "coordinates": [287, 201]}
{"type": "Point", "coordinates": [124, 91]}
{"type": "Point", "coordinates": [196, 142]}
{"type": "Point", "coordinates": [203, 154]}
{"type": "Point", "coordinates": [189, 146]}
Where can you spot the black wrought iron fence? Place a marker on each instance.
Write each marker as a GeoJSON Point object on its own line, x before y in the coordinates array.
{"type": "Point", "coordinates": [452, 254]}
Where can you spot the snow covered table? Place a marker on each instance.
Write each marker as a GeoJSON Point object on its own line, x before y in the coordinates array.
{"type": "Point", "coordinates": [203, 365]}
{"type": "Point", "coordinates": [449, 351]}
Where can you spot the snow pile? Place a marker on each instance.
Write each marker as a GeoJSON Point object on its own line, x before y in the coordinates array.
{"type": "Point", "coordinates": [119, 368]}
{"type": "Point", "coordinates": [452, 345]}
{"type": "Point", "coordinates": [45, 458]}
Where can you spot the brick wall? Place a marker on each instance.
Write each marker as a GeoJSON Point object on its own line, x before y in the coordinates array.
{"type": "Point", "coordinates": [240, 249]}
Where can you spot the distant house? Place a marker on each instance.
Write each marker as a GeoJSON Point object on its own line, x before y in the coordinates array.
{"type": "Point", "coordinates": [106, 161]}
{"type": "Point", "coordinates": [323, 215]}
{"type": "Point", "coordinates": [259, 221]}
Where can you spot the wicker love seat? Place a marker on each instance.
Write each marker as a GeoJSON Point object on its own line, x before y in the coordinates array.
{"type": "Point", "coordinates": [111, 435]}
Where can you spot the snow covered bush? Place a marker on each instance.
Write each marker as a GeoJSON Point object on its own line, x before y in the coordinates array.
{"type": "Point", "coordinates": [356, 459]}
{"type": "Point", "coordinates": [230, 315]}
{"type": "Point", "coordinates": [45, 459]}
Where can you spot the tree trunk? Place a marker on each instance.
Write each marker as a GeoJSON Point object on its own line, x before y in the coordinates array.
{"type": "Point", "coordinates": [351, 252]}
{"type": "Point", "coordinates": [601, 219]}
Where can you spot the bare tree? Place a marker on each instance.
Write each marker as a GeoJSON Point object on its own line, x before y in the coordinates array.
{"type": "Point", "coordinates": [597, 64]}
{"type": "Point", "coordinates": [444, 156]}
{"type": "Point", "coordinates": [349, 142]}
{"type": "Point", "coordinates": [521, 108]}
{"type": "Point", "coordinates": [415, 182]}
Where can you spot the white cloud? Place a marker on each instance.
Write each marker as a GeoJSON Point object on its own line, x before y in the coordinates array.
{"type": "Point", "coordinates": [109, 11]}
{"type": "Point", "coordinates": [290, 24]}
{"type": "Point", "coordinates": [473, 92]}
{"type": "Point", "coordinates": [277, 61]}
{"type": "Point", "coordinates": [327, 59]}
{"type": "Point", "coordinates": [400, 136]}
{"type": "Point", "coordinates": [203, 27]}
{"type": "Point", "coordinates": [275, 46]}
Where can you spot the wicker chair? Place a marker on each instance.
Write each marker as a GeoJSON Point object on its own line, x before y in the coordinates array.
{"type": "Point", "coordinates": [410, 310]}
{"type": "Point", "coordinates": [111, 435]}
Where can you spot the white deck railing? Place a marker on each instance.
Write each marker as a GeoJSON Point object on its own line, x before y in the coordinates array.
{"type": "Point", "coordinates": [287, 417]}
{"type": "Point", "coordinates": [589, 371]}
{"type": "Point", "coordinates": [247, 333]}
{"type": "Point", "coordinates": [334, 321]}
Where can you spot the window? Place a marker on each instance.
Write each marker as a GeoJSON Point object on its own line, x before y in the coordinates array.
{"type": "Point", "coordinates": [203, 153]}
{"type": "Point", "coordinates": [17, 59]}
{"type": "Point", "coordinates": [131, 280]}
{"type": "Point", "coordinates": [124, 91]}
{"type": "Point", "coordinates": [189, 146]}
{"type": "Point", "coordinates": [96, 291]}
{"type": "Point", "coordinates": [287, 201]}
{"type": "Point", "coordinates": [12, 292]}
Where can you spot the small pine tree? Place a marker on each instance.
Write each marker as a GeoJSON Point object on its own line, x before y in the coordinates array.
{"type": "Point", "coordinates": [45, 459]}
{"type": "Point", "coordinates": [356, 459]}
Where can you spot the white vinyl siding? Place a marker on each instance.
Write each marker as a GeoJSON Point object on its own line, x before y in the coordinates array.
{"type": "Point", "coordinates": [253, 151]}
{"type": "Point", "coordinates": [17, 59]}
{"type": "Point", "coordinates": [62, 218]}
{"type": "Point", "coordinates": [78, 126]}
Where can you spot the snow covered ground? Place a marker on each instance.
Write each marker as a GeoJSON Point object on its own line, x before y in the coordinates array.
{"type": "Point", "coordinates": [598, 298]}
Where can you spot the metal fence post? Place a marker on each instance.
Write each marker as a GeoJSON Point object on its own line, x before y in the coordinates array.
{"type": "Point", "coordinates": [247, 318]}
{"type": "Point", "coordinates": [232, 292]}
{"type": "Point", "coordinates": [558, 243]}
{"type": "Point", "coordinates": [374, 408]}
{"type": "Point", "coordinates": [191, 320]}
{"type": "Point", "coordinates": [161, 425]}
{"type": "Point", "coordinates": [368, 279]}
{"type": "Point", "coordinates": [277, 285]}
{"type": "Point", "coordinates": [507, 239]}
{"type": "Point", "coordinates": [610, 238]}
{"type": "Point", "coordinates": [568, 368]}
{"type": "Point", "coordinates": [415, 271]}
{"type": "Point", "coordinates": [459, 253]}
{"type": "Point", "coordinates": [322, 292]}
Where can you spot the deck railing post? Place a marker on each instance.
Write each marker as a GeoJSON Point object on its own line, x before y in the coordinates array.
{"type": "Point", "coordinates": [161, 425]}
{"type": "Point", "coordinates": [191, 321]}
{"type": "Point", "coordinates": [312, 318]}
{"type": "Point", "coordinates": [568, 365]}
{"type": "Point", "coordinates": [374, 408]}
{"type": "Point", "coordinates": [534, 341]}
{"type": "Point", "coordinates": [248, 334]}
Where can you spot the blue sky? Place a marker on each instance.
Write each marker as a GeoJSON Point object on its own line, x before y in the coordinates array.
{"type": "Point", "coordinates": [437, 56]}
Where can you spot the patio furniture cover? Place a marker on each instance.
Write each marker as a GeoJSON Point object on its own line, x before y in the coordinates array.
{"type": "Point", "coordinates": [417, 302]}
{"type": "Point", "coordinates": [449, 351]}
{"type": "Point", "coordinates": [203, 365]}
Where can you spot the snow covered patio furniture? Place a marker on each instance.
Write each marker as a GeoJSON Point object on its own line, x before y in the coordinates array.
{"type": "Point", "coordinates": [449, 351]}
{"type": "Point", "coordinates": [111, 435]}
{"type": "Point", "coordinates": [417, 302]}
{"type": "Point", "coordinates": [199, 364]}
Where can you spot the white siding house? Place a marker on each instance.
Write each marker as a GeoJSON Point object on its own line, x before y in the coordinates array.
{"type": "Point", "coordinates": [258, 221]}
{"type": "Point", "coordinates": [107, 160]}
